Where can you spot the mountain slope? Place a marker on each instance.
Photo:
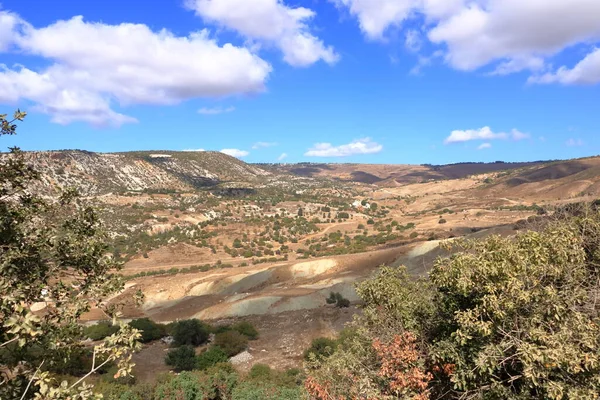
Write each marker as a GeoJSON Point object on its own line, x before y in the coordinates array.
{"type": "Point", "coordinates": [100, 173]}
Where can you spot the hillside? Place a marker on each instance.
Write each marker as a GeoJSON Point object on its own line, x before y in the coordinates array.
{"type": "Point", "coordinates": [395, 174]}
{"type": "Point", "coordinates": [101, 173]}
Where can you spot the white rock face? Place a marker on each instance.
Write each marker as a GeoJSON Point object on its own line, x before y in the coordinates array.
{"type": "Point", "coordinates": [241, 358]}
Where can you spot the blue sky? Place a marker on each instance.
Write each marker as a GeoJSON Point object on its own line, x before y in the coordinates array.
{"type": "Point", "coordinates": [378, 81]}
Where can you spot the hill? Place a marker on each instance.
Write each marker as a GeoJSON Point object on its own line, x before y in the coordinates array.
{"type": "Point", "coordinates": [101, 173]}
{"type": "Point", "coordinates": [396, 174]}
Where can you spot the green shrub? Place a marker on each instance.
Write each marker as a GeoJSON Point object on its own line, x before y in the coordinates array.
{"type": "Point", "coordinates": [265, 391]}
{"type": "Point", "coordinates": [100, 330]}
{"type": "Point", "coordinates": [320, 348]}
{"type": "Point", "coordinates": [246, 329]}
{"type": "Point", "coordinates": [150, 330]}
{"type": "Point", "coordinates": [182, 358]}
{"type": "Point", "coordinates": [260, 372]}
{"type": "Point", "coordinates": [337, 299]}
{"type": "Point", "coordinates": [197, 386]}
{"type": "Point", "coordinates": [190, 332]}
{"type": "Point", "coordinates": [232, 342]}
{"type": "Point", "coordinates": [211, 357]}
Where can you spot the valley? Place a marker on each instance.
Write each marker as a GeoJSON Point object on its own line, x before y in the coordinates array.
{"type": "Point", "coordinates": [204, 235]}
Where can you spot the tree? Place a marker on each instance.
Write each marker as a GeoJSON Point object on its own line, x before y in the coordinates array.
{"type": "Point", "coordinates": [211, 357]}
{"type": "Point", "coordinates": [53, 251]}
{"type": "Point", "coordinates": [232, 342]}
{"type": "Point", "coordinates": [190, 332]}
{"type": "Point", "coordinates": [182, 358]}
{"type": "Point", "coordinates": [149, 330]}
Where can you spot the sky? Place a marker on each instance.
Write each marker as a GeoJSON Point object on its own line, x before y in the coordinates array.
{"type": "Point", "coordinates": [365, 81]}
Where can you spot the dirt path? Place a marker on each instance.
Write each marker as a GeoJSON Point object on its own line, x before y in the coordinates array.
{"type": "Point", "coordinates": [324, 231]}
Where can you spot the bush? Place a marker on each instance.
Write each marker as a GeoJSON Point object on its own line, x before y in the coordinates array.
{"type": "Point", "coordinates": [232, 342]}
{"type": "Point", "coordinates": [190, 332]}
{"type": "Point", "coordinates": [503, 318]}
{"type": "Point", "coordinates": [150, 330]}
{"type": "Point", "coordinates": [266, 391]}
{"type": "Point", "coordinates": [197, 386]}
{"type": "Point", "coordinates": [182, 358]}
{"type": "Point", "coordinates": [100, 330]}
{"type": "Point", "coordinates": [260, 372]}
{"type": "Point", "coordinates": [246, 329]}
{"type": "Point", "coordinates": [210, 358]}
{"type": "Point", "coordinates": [442, 221]}
{"type": "Point", "coordinates": [337, 299]}
{"type": "Point", "coordinates": [320, 348]}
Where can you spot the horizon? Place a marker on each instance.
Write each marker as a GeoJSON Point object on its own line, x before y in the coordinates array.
{"type": "Point", "coordinates": [158, 151]}
{"type": "Point", "coordinates": [428, 82]}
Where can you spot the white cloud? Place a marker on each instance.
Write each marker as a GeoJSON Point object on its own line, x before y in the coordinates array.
{"type": "Point", "coordinates": [518, 135]}
{"type": "Point", "coordinates": [359, 146]}
{"type": "Point", "coordinates": [270, 22]}
{"type": "Point", "coordinates": [484, 133]}
{"type": "Point", "coordinates": [574, 142]}
{"type": "Point", "coordinates": [262, 145]}
{"type": "Point", "coordinates": [92, 66]}
{"type": "Point", "coordinates": [413, 41]}
{"type": "Point", "coordinates": [510, 35]}
{"type": "Point", "coordinates": [215, 110]}
{"type": "Point", "coordinates": [484, 146]}
{"type": "Point", "coordinates": [586, 72]}
{"type": "Point", "coordinates": [9, 24]}
{"type": "Point", "coordinates": [282, 157]}
{"type": "Point", "coordinates": [375, 16]}
{"type": "Point", "coordinates": [235, 152]}
{"type": "Point", "coordinates": [192, 150]}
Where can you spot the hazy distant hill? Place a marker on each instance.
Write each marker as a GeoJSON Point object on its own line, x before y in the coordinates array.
{"type": "Point", "coordinates": [99, 173]}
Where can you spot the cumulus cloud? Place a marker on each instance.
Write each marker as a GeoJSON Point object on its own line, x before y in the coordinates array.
{"type": "Point", "coordinates": [484, 146]}
{"type": "Point", "coordinates": [586, 72]}
{"type": "Point", "coordinates": [215, 110]}
{"type": "Point", "coordinates": [262, 145]}
{"type": "Point", "coordinates": [574, 142]}
{"type": "Point", "coordinates": [484, 133]}
{"type": "Point", "coordinates": [282, 157]}
{"type": "Point", "coordinates": [235, 152]}
{"type": "Point", "coordinates": [270, 22]}
{"type": "Point", "coordinates": [93, 66]}
{"type": "Point", "coordinates": [359, 146]}
{"type": "Point", "coordinates": [509, 35]}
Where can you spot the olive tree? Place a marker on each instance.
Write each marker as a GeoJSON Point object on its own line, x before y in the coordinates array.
{"type": "Point", "coordinates": [54, 266]}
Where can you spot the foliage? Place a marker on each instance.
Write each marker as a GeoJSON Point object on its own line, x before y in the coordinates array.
{"type": "Point", "coordinates": [246, 329]}
{"type": "Point", "coordinates": [52, 252]}
{"type": "Point", "coordinates": [232, 342]}
{"type": "Point", "coordinates": [182, 358]}
{"type": "Point", "coordinates": [100, 330]}
{"type": "Point", "coordinates": [265, 391]}
{"type": "Point", "coordinates": [320, 348]}
{"type": "Point", "coordinates": [149, 329]}
{"type": "Point", "coordinates": [190, 332]}
{"type": "Point", "coordinates": [211, 357]}
{"type": "Point", "coordinates": [197, 386]}
{"type": "Point", "coordinates": [337, 299]}
{"type": "Point", "coordinates": [505, 318]}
